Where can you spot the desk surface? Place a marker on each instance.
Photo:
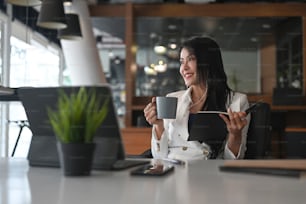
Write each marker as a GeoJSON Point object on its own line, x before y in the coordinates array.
{"type": "Point", "coordinates": [197, 182]}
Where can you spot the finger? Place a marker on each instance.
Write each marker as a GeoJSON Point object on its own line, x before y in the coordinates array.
{"type": "Point", "coordinates": [234, 116]}
{"type": "Point", "coordinates": [152, 113]}
{"type": "Point", "coordinates": [242, 114]}
{"type": "Point", "coordinates": [225, 119]}
{"type": "Point", "coordinates": [230, 113]}
{"type": "Point", "coordinates": [152, 119]}
{"type": "Point", "coordinates": [239, 120]}
{"type": "Point", "coordinates": [151, 106]}
{"type": "Point", "coordinates": [148, 107]}
{"type": "Point", "coordinates": [234, 119]}
{"type": "Point", "coordinates": [232, 123]}
{"type": "Point", "coordinates": [244, 121]}
{"type": "Point", "coordinates": [153, 99]}
{"type": "Point", "coordinates": [149, 112]}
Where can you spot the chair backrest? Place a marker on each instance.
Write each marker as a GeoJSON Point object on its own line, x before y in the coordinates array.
{"type": "Point", "coordinates": [259, 133]}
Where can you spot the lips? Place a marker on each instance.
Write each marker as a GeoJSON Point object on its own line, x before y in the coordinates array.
{"type": "Point", "coordinates": [188, 75]}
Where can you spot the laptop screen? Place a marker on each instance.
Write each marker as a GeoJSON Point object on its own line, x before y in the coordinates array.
{"type": "Point", "coordinates": [43, 150]}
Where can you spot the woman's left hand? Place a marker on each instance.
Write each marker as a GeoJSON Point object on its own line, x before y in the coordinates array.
{"type": "Point", "coordinates": [235, 122]}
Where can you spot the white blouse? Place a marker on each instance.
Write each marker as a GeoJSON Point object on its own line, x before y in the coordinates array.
{"type": "Point", "coordinates": [174, 142]}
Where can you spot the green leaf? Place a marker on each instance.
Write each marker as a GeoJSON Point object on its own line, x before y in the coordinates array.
{"type": "Point", "coordinates": [77, 116]}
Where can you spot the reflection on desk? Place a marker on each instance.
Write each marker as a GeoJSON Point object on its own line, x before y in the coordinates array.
{"type": "Point", "coordinates": [197, 182]}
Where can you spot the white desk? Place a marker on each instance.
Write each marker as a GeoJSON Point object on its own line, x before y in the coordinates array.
{"type": "Point", "coordinates": [200, 182]}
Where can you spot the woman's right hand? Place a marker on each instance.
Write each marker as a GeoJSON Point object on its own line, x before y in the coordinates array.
{"type": "Point", "coordinates": [150, 113]}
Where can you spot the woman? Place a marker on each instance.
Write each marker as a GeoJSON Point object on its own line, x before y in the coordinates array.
{"type": "Point", "coordinates": [202, 69]}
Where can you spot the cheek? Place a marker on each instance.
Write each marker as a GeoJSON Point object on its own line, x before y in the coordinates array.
{"type": "Point", "coordinates": [193, 66]}
{"type": "Point", "coordinates": [181, 71]}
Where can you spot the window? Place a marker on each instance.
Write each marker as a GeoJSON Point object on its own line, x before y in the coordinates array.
{"type": "Point", "coordinates": [34, 61]}
{"type": "Point", "coordinates": [31, 65]}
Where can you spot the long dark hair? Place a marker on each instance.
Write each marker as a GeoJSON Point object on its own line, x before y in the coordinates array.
{"type": "Point", "coordinates": [210, 71]}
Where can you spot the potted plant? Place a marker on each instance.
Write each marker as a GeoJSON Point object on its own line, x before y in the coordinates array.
{"type": "Point", "coordinates": [75, 121]}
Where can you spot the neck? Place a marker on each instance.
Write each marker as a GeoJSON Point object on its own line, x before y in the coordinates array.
{"type": "Point", "coordinates": [198, 96]}
{"type": "Point", "coordinates": [198, 93]}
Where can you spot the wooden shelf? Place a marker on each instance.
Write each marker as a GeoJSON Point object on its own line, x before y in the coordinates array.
{"type": "Point", "coordinates": [136, 140]}
{"type": "Point", "coordinates": [288, 108]}
{"type": "Point", "coordinates": [296, 129]}
{"type": "Point", "coordinates": [138, 107]}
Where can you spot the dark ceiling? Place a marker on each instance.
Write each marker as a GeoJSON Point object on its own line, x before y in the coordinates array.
{"type": "Point", "coordinates": [197, 1]}
{"type": "Point", "coordinates": [28, 16]}
{"type": "Point", "coordinates": [231, 33]}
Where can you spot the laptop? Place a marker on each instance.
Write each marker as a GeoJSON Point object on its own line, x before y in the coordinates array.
{"type": "Point", "coordinates": [109, 153]}
{"type": "Point", "coordinates": [209, 127]}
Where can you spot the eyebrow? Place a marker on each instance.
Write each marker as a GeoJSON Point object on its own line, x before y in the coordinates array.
{"type": "Point", "coordinates": [187, 56]}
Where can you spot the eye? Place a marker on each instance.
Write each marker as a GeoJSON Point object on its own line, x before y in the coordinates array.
{"type": "Point", "coordinates": [191, 58]}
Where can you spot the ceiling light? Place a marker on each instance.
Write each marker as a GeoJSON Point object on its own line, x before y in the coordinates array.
{"type": "Point", "coordinates": [266, 26]}
{"type": "Point", "coordinates": [153, 35]}
{"type": "Point", "coordinates": [117, 60]}
{"type": "Point", "coordinates": [160, 49]}
{"type": "Point", "coordinates": [173, 46]}
{"type": "Point", "coordinates": [52, 15]}
{"type": "Point", "coordinates": [161, 66]}
{"type": "Point", "coordinates": [172, 27]}
{"type": "Point", "coordinates": [67, 2]}
{"type": "Point", "coordinates": [253, 39]}
{"type": "Point", "coordinates": [25, 2]}
{"type": "Point", "coordinates": [149, 71]}
{"type": "Point", "coordinates": [73, 30]}
{"type": "Point", "coordinates": [110, 54]}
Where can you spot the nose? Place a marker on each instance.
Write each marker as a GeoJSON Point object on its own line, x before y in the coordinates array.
{"type": "Point", "coordinates": [184, 65]}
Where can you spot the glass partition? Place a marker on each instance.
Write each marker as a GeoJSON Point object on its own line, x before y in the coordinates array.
{"type": "Point", "coordinates": [242, 39]}
{"type": "Point", "coordinates": [109, 34]}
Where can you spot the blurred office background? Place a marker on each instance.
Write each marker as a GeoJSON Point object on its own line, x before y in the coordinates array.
{"type": "Point", "coordinates": [251, 45]}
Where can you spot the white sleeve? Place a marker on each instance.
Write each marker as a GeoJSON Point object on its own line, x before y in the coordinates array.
{"type": "Point", "coordinates": [159, 148]}
{"type": "Point", "coordinates": [239, 104]}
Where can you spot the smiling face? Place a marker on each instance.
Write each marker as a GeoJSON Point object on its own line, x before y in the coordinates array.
{"type": "Point", "coordinates": [188, 67]}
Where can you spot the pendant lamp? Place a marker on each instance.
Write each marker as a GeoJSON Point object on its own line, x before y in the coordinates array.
{"type": "Point", "coordinates": [24, 2]}
{"type": "Point", "coordinates": [73, 30]}
{"type": "Point", "coordinates": [52, 15]}
{"type": "Point", "coordinates": [67, 2]}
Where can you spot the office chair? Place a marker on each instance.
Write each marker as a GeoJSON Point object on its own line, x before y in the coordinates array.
{"type": "Point", "coordinates": [21, 124]}
{"type": "Point", "coordinates": [259, 133]}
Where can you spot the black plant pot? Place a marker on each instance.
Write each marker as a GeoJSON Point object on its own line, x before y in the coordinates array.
{"type": "Point", "coordinates": [76, 158]}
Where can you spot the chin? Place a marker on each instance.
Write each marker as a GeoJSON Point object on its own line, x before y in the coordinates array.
{"type": "Point", "coordinates": [188, 83]}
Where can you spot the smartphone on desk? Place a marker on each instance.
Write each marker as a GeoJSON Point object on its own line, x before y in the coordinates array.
{"type": "Point", "coordinates": [153, 170]}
